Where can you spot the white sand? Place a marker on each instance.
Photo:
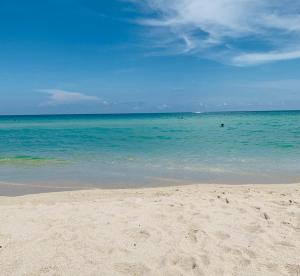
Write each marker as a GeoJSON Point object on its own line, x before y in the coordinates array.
{"type": "Point", "coordinates": [186, 230]}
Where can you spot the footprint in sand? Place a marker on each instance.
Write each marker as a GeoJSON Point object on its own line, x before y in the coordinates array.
{"type": "Point", "coordinates": [222, 235]}
{"type": "Point", "coordinates": [254, 228]}
{"type": "Point", "coordinates": [187, 264]}
{"type": "Point", "coordinates": [251, 254]}
{"type": "Point", "coordinates": [242, 211]}
{"type": "Point", "coordinates": [193, 235]}
{"type": "Point", "coordinates": [137, 234]}
{"type": "Point", "coordinates": [233, 251]}
{"type": "Point", "coordinates": [49, 269]}
{"type": "Point", "coordinates": [162, 194]}
{"type": "Point", "coordinates": [205, 260]}
{"type": "Point", "coordinates": [285, 243]}
{"type": "Point", "coordinates": [131, 269]}
{"type": "Point", "coordinates": [272, 267]}
{"type": "Point", "coordinates": [293, 269]}
{"type": "Point", "coordinates": [238, 253]}
{"type": "Point", "coordinates": [245, 262]}
{"type": "Point", "coordinates": [181, 219]}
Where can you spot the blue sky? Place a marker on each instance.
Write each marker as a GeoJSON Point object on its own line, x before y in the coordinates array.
{"type": "Point", "coordinates": [107, 56]}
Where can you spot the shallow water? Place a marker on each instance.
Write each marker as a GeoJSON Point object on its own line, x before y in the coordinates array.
{"type": "Point", "coordinates": [71, 151]}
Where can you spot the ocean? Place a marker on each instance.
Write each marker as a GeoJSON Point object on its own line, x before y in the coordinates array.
{"type": "Point", "coordinates": [65, 152]}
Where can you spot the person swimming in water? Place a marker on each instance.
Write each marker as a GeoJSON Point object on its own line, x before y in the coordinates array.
{"type": "Point", "coordinates": [222, 125]}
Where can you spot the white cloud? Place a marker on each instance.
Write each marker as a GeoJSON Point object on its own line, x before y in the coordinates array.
{"type": "Point", "coordinates": [256, 58]}
{"type": "Point", "coordinates": [61, 97]}
{"type": "Point", "coordinates": [225, 29]}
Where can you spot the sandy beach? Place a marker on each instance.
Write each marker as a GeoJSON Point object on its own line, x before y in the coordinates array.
{"type": "Point", "coordinates": [182, 230]}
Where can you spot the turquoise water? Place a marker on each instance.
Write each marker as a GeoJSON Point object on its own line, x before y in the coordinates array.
{"type": "Point", "coordinates": [149, 149]}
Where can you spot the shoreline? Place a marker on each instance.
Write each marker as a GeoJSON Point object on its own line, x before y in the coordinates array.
{"type": "Point", "coordinates": [193, 229]}
{"type": "Point", "coordinates": [11, 189]}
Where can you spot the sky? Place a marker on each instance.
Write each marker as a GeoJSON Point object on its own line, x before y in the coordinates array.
{"type": "Point", "coordinates": [123, 56]}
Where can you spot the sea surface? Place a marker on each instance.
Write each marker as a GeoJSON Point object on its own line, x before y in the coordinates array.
{"type": "Point", "coordinates": [65, 152]}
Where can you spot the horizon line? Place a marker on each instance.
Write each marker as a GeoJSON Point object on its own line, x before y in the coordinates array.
{"type": "Point", "coordinates": [145, 113]}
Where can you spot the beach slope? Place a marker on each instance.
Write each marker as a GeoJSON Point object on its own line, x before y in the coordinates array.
{"type": "Point", "coordinates": [183, 230]}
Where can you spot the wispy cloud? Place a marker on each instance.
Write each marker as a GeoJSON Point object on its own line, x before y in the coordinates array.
{"type": "Point", "coordinates": [225, 29]}
{"type": "Point", "coordinates": [257, 58]}
{"type": "Point", "coordinates": [62, 97]}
